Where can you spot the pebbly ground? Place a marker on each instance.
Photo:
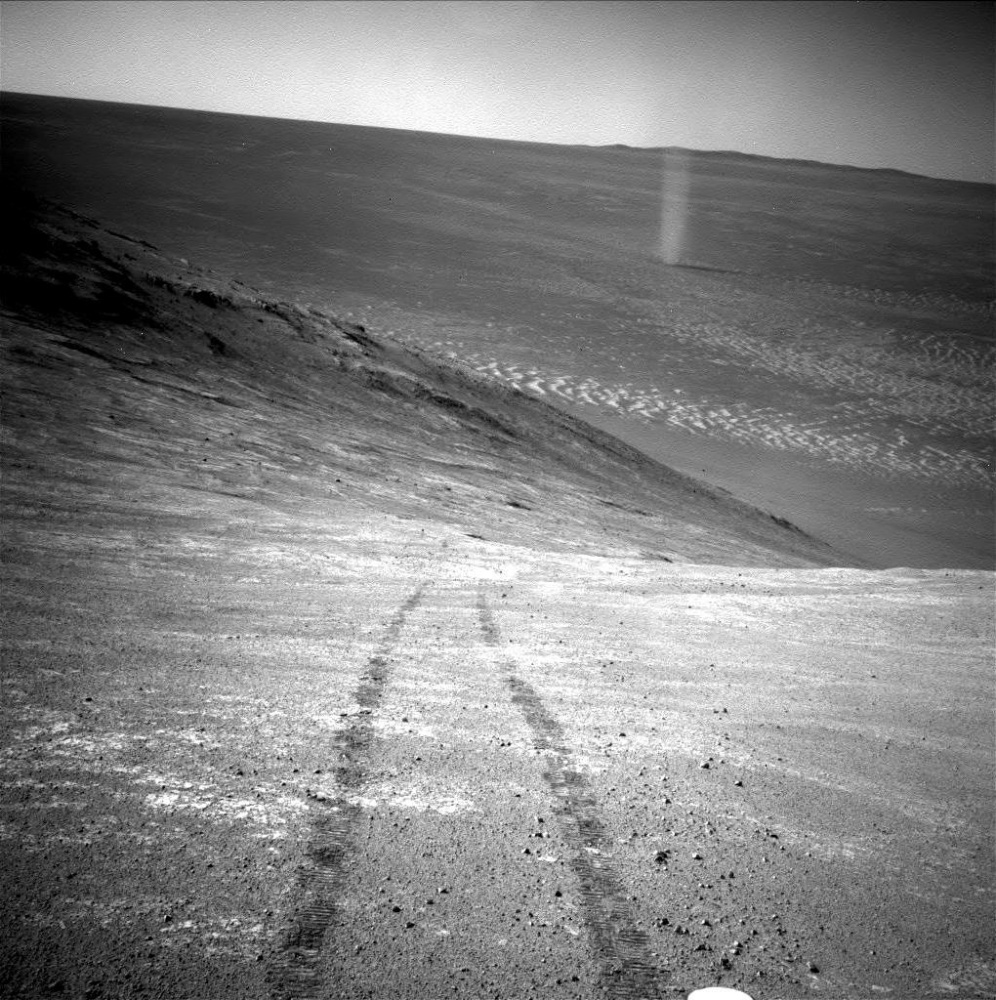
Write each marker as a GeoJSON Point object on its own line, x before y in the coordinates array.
{"type": "Point", "coordinates": [385, 761]}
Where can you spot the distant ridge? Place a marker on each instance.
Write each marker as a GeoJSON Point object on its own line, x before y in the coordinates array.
{"type": "Point", "coordinates": [714, 154]}
{"type": "Point", "coordinates": [732, 155]}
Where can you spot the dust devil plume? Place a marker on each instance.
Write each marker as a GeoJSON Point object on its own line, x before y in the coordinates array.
{"type": "Point", "coordinates": [675, 179]}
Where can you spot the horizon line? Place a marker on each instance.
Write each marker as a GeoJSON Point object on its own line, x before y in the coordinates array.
{"type": "Point", "coordinates": [620, 146]}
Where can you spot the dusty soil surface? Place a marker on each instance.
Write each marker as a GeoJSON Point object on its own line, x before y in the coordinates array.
{"type": "Point", "coordinates": [356, 757]}
{"type": "Point", "coordinates": [331, 671]}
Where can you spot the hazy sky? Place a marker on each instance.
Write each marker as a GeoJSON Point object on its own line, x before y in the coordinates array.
{"type": "Point", "coordinates": [907, 85]}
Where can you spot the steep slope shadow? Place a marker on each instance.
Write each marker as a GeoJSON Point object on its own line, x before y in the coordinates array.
{"type": "Point", "coordinates": [157, 371]}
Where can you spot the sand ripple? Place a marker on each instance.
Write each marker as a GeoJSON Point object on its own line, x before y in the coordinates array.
{"type": "Point", "coordinates": [894, 420]}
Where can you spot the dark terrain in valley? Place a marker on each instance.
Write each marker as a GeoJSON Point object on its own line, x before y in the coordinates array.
{"type": "Point", "coordinates": [334, 665]}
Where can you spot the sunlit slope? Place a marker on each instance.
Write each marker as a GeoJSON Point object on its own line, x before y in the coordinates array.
{"type": "Point", "coordinates": [815, 339]}
{"type": "Point", "coordinates": [138, 383]}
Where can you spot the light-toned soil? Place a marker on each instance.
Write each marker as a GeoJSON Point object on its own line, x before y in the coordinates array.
{"type": "Point", "coordinates": [356, 757]}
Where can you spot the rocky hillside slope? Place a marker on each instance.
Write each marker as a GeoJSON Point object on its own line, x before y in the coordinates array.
{"type": "Point", "coordinates": [160, 381]}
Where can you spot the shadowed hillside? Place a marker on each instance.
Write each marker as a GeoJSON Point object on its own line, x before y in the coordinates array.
{"type": "Point", "coordinates": [140, 382]}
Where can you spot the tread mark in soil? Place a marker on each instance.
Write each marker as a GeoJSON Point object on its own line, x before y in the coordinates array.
{"type": "Point", "coordinates": [626, 970]}
{"type": "Point", "coordinates": [296, 970]}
